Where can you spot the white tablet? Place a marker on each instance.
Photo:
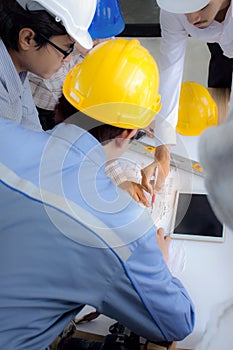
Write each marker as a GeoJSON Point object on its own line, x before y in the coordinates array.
{"type": "Point", "coordinates": [195, 219]}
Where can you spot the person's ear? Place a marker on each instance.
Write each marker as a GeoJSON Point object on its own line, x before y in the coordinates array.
{"type": "Point", "coordinates": [124, 137]}
{"type": "Point", "coordinates": [26, 39]}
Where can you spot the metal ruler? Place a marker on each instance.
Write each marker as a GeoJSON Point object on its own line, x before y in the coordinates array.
{"type": "Point", "coordinates": [177, 161]}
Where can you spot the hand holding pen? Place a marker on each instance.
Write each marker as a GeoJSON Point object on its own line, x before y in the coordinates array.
{"type": "Point", "coordinates": [153, 195]}
{"type": "Point", "coordinates": [149, 174]}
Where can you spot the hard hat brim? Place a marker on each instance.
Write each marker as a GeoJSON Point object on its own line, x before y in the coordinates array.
{"type": "Point", "coordinates": [182, 6]}
{"type": "Point", "coordinates": [83, 38]}
{"type": "Point", "coordinates": [130, 116]}
{"type": "Point", "coordinates": [98, 32]}
{"type": "Point", "coordinates": [77, 31]}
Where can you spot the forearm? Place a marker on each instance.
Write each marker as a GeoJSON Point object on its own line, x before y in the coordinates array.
{"type": "Point", "coordinates": [171, 63]}
{"type": "Point", "coordinates": [148, 300]}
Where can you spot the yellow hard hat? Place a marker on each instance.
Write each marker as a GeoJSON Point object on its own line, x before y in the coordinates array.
{"type": "Point", "coordinates": [197, 109]}
{"type": "Point", "coordinates": [117, 83]}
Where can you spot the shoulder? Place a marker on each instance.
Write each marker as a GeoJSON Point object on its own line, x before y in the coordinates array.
{"type": "Point", "coordinates": [172, 19]}
{"type": "Point", "coordinates": [174, 26]}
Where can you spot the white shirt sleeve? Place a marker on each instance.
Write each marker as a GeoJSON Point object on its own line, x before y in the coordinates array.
{"type": "Point", "coordinates": [115, 172]}
{"type": "Point", "coordinates": [171, 63]}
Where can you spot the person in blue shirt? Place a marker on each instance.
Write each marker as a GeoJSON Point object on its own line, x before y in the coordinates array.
{"type": "Point", "coordinates": [68, 235]}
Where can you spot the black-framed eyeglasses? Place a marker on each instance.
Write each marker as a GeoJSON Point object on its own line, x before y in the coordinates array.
{"type": "Point", "coordinates": [139, 135]}
{"type": "Point", "coordinates": [64, 52]}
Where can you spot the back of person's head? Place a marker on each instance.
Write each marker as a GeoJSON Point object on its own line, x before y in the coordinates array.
{"type": "Point", "coordinates": [117, 83]}
{"type": "Point", "coordinates": [66, 112]}
{"type": "Point", "coordinates": [53, 17]}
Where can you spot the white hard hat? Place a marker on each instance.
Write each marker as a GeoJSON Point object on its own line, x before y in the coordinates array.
{"type": "Point", "coordinates": [182, 6]}
{"type": "Point", "coordinates": [75, 15]}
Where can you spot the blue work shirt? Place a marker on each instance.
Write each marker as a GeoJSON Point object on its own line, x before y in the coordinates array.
{"type": "Point", "coordinates": [15, 93]}
{"type": "Point", "coordinates": [70, 237]}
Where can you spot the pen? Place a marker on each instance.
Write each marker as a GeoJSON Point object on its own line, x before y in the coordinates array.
{"type": "Point", "coordinates": [154, 195]}
{"type": "Point", "coordinates": [152, 202]}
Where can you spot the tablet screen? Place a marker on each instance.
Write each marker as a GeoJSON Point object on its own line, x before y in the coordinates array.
{"type": "Point", "coordinates": [194, 218]}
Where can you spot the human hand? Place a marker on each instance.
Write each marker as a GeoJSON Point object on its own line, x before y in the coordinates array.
{"type": "Point", "coordinates": [147, 176]}
{"type": "Point", "coordinates": [163, 243]}
{"type": "Point", "coordinates": [162, 161]}
{"type": "Point", "coordinates": [136, 192]}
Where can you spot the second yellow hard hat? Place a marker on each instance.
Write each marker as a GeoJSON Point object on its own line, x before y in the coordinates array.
{"type": "Point", "coordinates": [117, 83]}
{"type": "Point", "coordinates": [197, 109]}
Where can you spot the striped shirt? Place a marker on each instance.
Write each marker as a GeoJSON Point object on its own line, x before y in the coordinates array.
{"type": "Point", "coordinates": [16, 102]}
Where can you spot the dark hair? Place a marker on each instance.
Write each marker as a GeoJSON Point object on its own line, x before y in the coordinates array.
{"type": "Point", "coordinates": [63, 110]}
{"type": "Point", "coordinates": [103, 133]}
{"type": "Point", "coordinates": [13, 18]}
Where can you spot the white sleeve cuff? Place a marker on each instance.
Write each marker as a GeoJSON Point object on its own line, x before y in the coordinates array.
{"type": "Point", "coordinates": [116, 173]}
